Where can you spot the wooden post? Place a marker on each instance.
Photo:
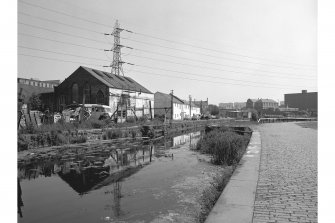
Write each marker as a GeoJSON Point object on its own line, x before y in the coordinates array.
{"type": "Point", "coordinates": [150, 110]}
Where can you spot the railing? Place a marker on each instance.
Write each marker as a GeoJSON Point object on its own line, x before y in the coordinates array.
{"type": "Point", "coordinates": [271, 120]}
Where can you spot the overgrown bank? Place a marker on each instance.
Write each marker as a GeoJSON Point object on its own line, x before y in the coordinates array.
{"type": "Point", "coordinates": [70, 133]}
{"type": "Point", "coordinates": [226, 148]}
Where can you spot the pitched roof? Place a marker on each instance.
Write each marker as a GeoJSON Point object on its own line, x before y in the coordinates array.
{"type": "Point", "coordinates": [168, 97]}
{"type": "Point", "coordinates": [253, 100]}
{"type": "Point", "coordinates": [192, 103]}
{"type": "Point", "coordinates": [116, 81]}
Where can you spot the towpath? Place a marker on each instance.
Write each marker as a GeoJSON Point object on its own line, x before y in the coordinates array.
{"type": "Point", "coordinates": [287, 183]}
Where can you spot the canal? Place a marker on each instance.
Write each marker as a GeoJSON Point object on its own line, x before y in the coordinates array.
{"type": "Point", "coordinates": [128, 181]}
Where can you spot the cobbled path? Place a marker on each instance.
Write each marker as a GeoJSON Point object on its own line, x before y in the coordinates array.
{"type": "Point", "coordinates": [287, 184]}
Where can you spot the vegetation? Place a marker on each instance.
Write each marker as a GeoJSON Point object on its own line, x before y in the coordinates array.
{"type": "Point", "coordinates": [226, 147]}
{"type": "Point", "coordinates": [213, 109]}
{"type": "Point", "coordinates": [212, 193]}
{"type": "Point", "coordinates": [35, 102]}
{"type": "Point", "coordinates": [52, 138]}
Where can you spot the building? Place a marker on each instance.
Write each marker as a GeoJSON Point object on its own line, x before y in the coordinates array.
{"type": "Point", "coordinates": [264, 104]}
{"type": "Point", "coordinates": [240, 105]}
{"type": "Point", "coordinates": [181, 109]}
{"type": "Point", "coordinates": [251, 103]}
{"type": "Point", "coordinates": [229, 105]}
{"type": "Point", "coordinates": [203, 105]}
{"type": "Point", "coordinates": [232, 105]}
{"type": "Point", "coordinates": [307, 101]}
{"type": "Point", "coordinates": [125, 96]}
{"type": "Point", "coordinates": [28, 87]}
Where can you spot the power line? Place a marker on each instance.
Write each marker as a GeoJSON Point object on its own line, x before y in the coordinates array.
{"type": "Point", "coordinates": [202, 61]}
{"type": "Point", "coordinates": [214, 50]}
{"type": "Point", "coordinates": [91, 21]}
{"type": "Point", "coordinates": [181, 72]}
{"type": "Point", "coordinates": [38, 37]}
{"type": "Point", "coordinates": [215, 82]}
{"type": "Point", "coordinates": [63, 13]}
{"type": "Point", "coordinates": [67, 61]}
{"type": "Point", "coordinates": [54, 21]}
{"type": "Point", "coordinates": [67, 54]}
{"type": "Point", "coordinates": [97, 65]}
{"type": "Point", "coordinates": [204, 54]}
{"type": "Point", "coordinates": [211, 68]}
{"type": "Point", "coordinates": [63, 33]}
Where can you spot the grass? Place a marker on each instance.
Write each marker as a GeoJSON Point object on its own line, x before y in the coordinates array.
{"type": "Point", "coordinates": [226, 147]}
{"type": "Point", "coordinates": [212, 193]}
{"type": "Point", "coordinates": [52, 138]}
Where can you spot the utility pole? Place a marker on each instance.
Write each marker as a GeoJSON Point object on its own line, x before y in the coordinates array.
{"type": "Point", "coordinates": [190, 98]}
{"type": "Point", "coordinates": [171, 105]}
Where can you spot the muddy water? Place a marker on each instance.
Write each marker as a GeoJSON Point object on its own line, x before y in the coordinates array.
{"type": "Point", "coordinates": [122, 182]}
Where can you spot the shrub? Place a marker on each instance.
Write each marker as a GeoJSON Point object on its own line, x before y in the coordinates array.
{"type": "Point", "coordinates": [254, 116]}
{"type": "Point", "coordinates": [79, 139]}
{"type": "Point", "coordinates": [143, 119]}
{"type": "Point", "coordinates": [226, 147]}
{"type": "Point", "coordinates": [131, 120]}
{"type": "Point", "coordinates": [22, 143]}
{"type": "Point", "coordinates": [112, 134]}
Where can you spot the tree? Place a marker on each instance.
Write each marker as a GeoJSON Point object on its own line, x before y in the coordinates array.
{"type": "Point", "coordinates": [35, 102]}
{"type": "Point", "coordinates": [213, 109]}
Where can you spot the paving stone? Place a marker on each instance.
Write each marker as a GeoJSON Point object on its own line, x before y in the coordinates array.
{"type": "Point", "coordinates": [287, 184]}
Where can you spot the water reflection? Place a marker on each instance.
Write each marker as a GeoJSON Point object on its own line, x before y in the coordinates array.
{"type": "Point", "coordinates": [103, 166]}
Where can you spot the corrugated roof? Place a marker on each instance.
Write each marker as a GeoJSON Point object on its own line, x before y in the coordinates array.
{"type": "Point", "coordinates": [116, 81]}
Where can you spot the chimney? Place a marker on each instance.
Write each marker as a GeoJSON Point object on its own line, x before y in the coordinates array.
{"type": "Point", "coordinates": [304, 91]}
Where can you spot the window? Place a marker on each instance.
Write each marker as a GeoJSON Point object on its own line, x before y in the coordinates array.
{"type": "Point", "coordinates": [87, 93]}
{"type": "Point", "coordinates": [100, 97]}
{"type": "Point", "coordinates": [75, 93]}
{"type": "Point", "coordinates": [47, 85]}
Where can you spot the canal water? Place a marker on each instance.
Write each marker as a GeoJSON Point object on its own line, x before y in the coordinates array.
{"type": "Point", "coordinates": [127, 181]}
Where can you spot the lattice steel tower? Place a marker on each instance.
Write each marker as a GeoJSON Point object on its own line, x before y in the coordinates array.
{"type": "Point", "coordinates": [117, 62]}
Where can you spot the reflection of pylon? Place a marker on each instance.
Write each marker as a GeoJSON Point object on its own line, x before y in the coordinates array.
{"type": "Point", "coordinates": [117, 62]}
{"type": "Point", "coordinates": [117, 198]}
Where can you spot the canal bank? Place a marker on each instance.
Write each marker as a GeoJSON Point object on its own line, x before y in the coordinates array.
{"type": "Point", "coordinates": [276, 180]}
{"type": "Point", "coordinates": [64, 135]}
{"type": "Point", "coordinates": [235, 205]}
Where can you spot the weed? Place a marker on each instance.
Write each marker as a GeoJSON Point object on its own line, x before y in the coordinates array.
{"type": "Point", "coordinates": [225, 147]}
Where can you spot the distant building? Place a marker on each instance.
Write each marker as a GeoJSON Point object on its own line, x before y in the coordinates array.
{"type": "Point", "coordinates": [251, 103]}
{"type": "Point", "coordinates": [28, 87]}
{"type": "Point", "coordinates": [307, 101]}
{"type": "Point", "coordinates": [263, 104]}
{"type": "Point", "coordinates": [229, 105]}
{"type": "Point", "coordinates": [90, 86]}
{"type": "Point", "coordinates": [181, 109]}
{"type": "Point", "coordinates": [240, 105]}
{"type": "Point", "coordinates": [203, 105]}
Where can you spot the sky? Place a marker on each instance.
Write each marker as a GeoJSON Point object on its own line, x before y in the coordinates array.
{"type": "Point", "coordinates": [223, 50]}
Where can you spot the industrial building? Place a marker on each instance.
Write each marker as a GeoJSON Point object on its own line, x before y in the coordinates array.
{"type": "Point", "coordinates": [305, 101]}
{"type": "Point", "coordinates": [90, 86]}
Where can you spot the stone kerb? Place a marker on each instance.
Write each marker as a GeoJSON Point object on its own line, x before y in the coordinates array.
{"type": "Point", "coordinates": [236, 203]}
